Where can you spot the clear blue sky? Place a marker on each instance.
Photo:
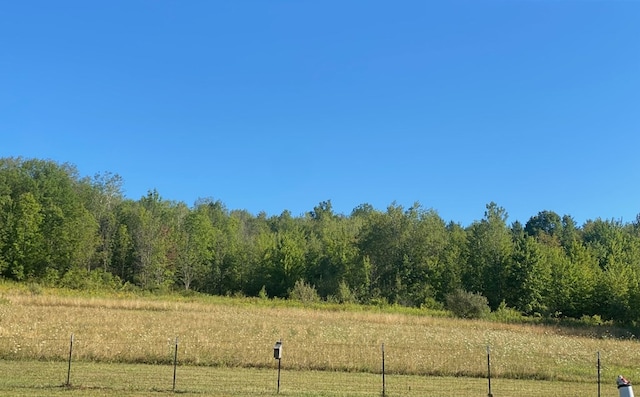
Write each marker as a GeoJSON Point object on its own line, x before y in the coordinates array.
{"type": "Point", "coordinates": [274, 105]}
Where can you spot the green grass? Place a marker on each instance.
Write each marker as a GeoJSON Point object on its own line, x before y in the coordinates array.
{"type": "Point", "coordinates": [35, 378]}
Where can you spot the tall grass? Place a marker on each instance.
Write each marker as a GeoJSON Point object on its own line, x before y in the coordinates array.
{"type": "Point", "coordinates": [229, 332]}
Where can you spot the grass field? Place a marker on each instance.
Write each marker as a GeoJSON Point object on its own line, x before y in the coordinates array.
{"type": "Point", "coordinates": [125, 346]}
{"type": "Point", "coordinates": [35, 378]}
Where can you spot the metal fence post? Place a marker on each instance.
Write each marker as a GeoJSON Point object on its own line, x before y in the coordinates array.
{"type": "Point", "coordinates": [384, 386]}
{"type": "Point", "coordinates": [69, 367]}
{"type": "Point", "coordinates": [599, 368]}
{"type": "Point", "coordinates": [489, 370]}
{"type": "Point", "coordinates": [175, 364]}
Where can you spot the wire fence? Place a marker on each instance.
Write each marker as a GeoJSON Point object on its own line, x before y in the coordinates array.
{"type": "Point", "coordinates": [391, 369]}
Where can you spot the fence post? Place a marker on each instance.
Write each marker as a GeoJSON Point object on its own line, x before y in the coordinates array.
{"type": "Point", "coordinates": [69, 367]}
{"type": "Point", "coordinates": [489, 370]}
{"type": "Point", "coordinates": [599, 368]}
{"type": "Point", "coordinates": [277, 354]}
{"type": "Point", "coordinates": [384, 386]}
{"type": "Point", "coordinates": [279, 362]}
{"type": "Point", "coordinates": [175, 363]}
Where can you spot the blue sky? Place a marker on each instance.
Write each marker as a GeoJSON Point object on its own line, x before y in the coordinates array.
{"type": "Point", "coordinates": [279, 105]}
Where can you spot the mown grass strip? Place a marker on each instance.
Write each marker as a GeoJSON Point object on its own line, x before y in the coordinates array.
{"type": "Point", "coordinates": [36, 378]}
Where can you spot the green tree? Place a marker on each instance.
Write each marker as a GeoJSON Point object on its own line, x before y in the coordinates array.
{"type": "Point", "coordinates": [527, 276]}
{"type": "Point", "coordinates": [102, 195]}
{"type": "Point", "coordinates": [286, 261]}
{"type": "Point", "coordinates": [545, 222]}
{"type": "Point", "coordinates": [616, 251]}
{"type": "Point", "coordinates": [429, 274]}
{"type": "Point", "coordinates": [381, 242]}
{"type": "Point", "coordinates": [24, 243]}
{"type": "Point", "coordinates": [574, 275]}
{"type": "Point", "coordinates": [70, 231]}
{"type": "Point", "coordinates": [331, 252]}
{"type": "Point", "coordinates": [454, 258]}
{"type": "Point", "coordinates": [570, 232]}
{"type": "Point", "coordinates": [149, 227]}
{"type": "Point", "coordinates": [250, 251]}
{"type": "Point", "coordinates": [407, 254]}
{"type": "Point", "coordinates": [67, 232]}
{"type": "Point", "coordinates": [490, 252]}
{"type": "Point", "coordinates": [223, 274]}
{"type": "Point", "coordinates": [123, 257]}
{"type": "Point", "coordinates": [195, 248]}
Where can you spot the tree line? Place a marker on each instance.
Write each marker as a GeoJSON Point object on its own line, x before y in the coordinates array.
{"type": "Point", "coordinates": [60, 228]}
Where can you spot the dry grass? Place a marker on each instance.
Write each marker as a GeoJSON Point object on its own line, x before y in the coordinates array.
{"type": "Point", "coordinates": [215, 333]}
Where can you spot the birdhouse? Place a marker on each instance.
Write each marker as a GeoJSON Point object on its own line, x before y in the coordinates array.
{"type": "Point", "coordinates": [277, 350]}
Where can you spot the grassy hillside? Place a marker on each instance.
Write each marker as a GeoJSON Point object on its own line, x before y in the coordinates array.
{"type": "Point", "coordinates": [240, 333]}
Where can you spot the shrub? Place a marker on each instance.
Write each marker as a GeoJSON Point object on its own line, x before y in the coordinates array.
{"type": "Point", "coordinates": [51, 277]}
{"type": "Point", "coordinates": [94, 280]}
{"type": "Point", "coordinates": [467, 304]}
{"type": "Point", "coordinates": [344, 294]}
{"type": "Point", "coordinates": [594, 320]}
{"type": "Point", "coordinates": [506, 314]}
{"type": "Point", "coordinates": [379, 301]}
{"type": "Point", "coordinates": [304, 292]}
{"type": "Point", "coordinates": [432, 304]}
